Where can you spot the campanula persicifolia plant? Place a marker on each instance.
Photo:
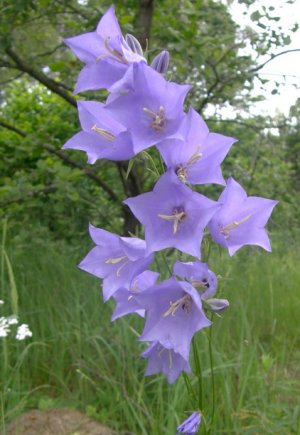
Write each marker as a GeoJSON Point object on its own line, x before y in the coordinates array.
{"type": "Point", "coordinates": [145, 110]}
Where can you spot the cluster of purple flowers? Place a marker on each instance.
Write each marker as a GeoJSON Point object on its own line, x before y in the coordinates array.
{"type": "Point", "coordinates": [144, 109]}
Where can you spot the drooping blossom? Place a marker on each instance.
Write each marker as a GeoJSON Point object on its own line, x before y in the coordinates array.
{"type": "Point", "coordinates": [173, 314]}
{"type": "Point", "coordinates": [191, 425]}
{"type": "Point", "coordinates": [197, 159]}
{"type": "Point", "coordinates": [204, 280]}
{"type": "Point", "coordinates": [105, 52]}
{"type": "Point", "coordinates": [164, 359]}
{"type": "Point", "coordinates": [173, 215]}
{"type": "Point", "coordinates": [198, 275]}
{"type": "Point", "coordinates": [150, 106]}
{"type": "Point", "coordinates": [117, 260]}
{"type": "Point", "coordinates": [101, 136]}
{"type": "Point", "coordinates": [241, 219]}
{"type": "Point", "coordinates": [125, 298]}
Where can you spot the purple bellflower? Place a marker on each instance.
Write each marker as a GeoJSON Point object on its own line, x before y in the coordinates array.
{"type": "Point", "coordinates": [101, 136]}
{"type": "Point", "coordinates": [173, 314]}
{"type": "Point", "coordinates": [173, 215]}
{"type": "Point", "coordinates": [241, 219]}
{"type": "Point", "coordinates": [198, 275]}
{"type": "Point", "coordinates": [117, 260]}
{"type": "Point", "coordinates": [125, 299]}
{"type": "Point", "coordinates": [164, 359]}
{"type": "Point", "coordinates": [204, 280]}
{"type": "Point", "coordinates": [197, 159]}
{"type": "Point", "coordinates": [149, 106]}
{"type": "Point", "coordinates": [105, 52]}
{"type": "Point", "coordinates": [191, 425]}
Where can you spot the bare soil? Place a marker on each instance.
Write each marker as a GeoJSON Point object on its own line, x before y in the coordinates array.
{"type": "Point", "coordinates": [56, 422]}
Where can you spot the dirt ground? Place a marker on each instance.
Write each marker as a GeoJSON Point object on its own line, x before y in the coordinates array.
{"type": "Point", "coordinates": [56, 422]}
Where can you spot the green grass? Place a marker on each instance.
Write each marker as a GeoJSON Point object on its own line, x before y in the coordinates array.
{"type": "Point", "coordinates": [78, 358]}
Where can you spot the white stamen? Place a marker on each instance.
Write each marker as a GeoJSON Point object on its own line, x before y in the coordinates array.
{"type": "Point", "coordinates": [182, 170]}
{"type": "Point", "coordinates": [170, 359]}
{"type": "Point", "coordinates": [185, 302]}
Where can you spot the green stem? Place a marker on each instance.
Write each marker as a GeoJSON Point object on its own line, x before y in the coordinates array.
{"type": "Point", "coordinates": [189, 388]}
{"type": "Point", "coordinates": [198, 373]}
{"type": "Point", "coordinates": [212, 375]}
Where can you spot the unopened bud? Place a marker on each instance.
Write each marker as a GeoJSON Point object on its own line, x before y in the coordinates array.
{"type": "Point", "coordinates": [161, 62]}
{"type": "Point", "coordinates": [217, 305]}
{"type": "Point", "coordinates": [134, 44]}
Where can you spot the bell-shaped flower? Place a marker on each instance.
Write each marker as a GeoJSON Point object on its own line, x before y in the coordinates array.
{"type": "Point", "coordinates": [198, 275]}
{"type": "Point", "coordinates": [204, 280]}
{"type": "Point", "coordinates": [149, 106]}
{"type": "Point", "coordinates": [196, 159]}
{"type": "Point", "coordinates": [117, 260]}
{"type": "Point", "coordinates": [173, 215]}
{"type": "Point", "coordinates": [191, 425]}
{"type": "Point", "coordinates": [241, 219]}
{"type": "Point", "coordinates": [105, 52]}
{"type": "Point", "coordinates": [101, 137]}
{"type": "Point", "coordinates": [173, 314]}
{"type": "Point", "coordinates": [125, 298]}
{"type": "Point", "coordinates": [164, 359]}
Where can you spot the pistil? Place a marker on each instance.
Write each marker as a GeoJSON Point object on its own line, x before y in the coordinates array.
{"type": "Point", "coordinates": [226, 230]}
{"type": "Point", "coordinates": [116, 261]}
{"type": "Point", "coordinates": [177, 217]}
{"type": "Point", "coordinates": [105, 133]}
{"type": "Point", "coordinates": [113, 54]}
{"type": "Point", "coordinates": [159, 121]}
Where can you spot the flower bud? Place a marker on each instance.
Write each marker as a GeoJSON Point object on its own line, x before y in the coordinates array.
{"type": "Point", "coordinates": [134, 44]}
{"type": "Point", "coordinates": [161, 62]}
{"type": "Point", "coordinates": [217, 305]}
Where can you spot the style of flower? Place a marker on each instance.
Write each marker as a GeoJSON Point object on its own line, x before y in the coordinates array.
{"type": "Point", "coordinates": [164, 359]}
{"type": "Point", "coordinates": [241, 219]}
{"type": "Point", "coordinates": [191, 425]}
{"type": "Point", "coordinates": [105, 52]}
{"type": "Point", "coordinates": [196, 159]}
{"type": "Point", "coordinates": [173, 215]}
{"type": "Point", "coordinates": [125, 298]}
{"type": "Point", "coordinates": [102, 136]}
{"type": "Point", "coordinates": [156, 106]}
{"type": "Point", "coordinates": [117, 260]}
{"type": "Point", "coordinates": [173, 314]}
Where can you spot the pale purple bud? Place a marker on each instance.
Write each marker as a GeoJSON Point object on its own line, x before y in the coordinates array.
{"type": "Point", "coordinates": [134, 44]}
{"type": "Point", "coordinates": [161, 62]}
{"type": "Point", "coordinates": [217, 305]}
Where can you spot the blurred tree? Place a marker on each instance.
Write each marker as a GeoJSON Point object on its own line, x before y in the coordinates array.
{"type": "Point", "coordinates": [38, 110]}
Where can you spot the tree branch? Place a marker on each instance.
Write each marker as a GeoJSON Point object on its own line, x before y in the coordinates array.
{"type": "Point", "coordinates": [143, 21]}
{"type": "Point", "coordinates": [88, 172]}
{"type": "Point", "coordinates": [40, 76]}
{"type": "Point", "coordinates": [273, 56]}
